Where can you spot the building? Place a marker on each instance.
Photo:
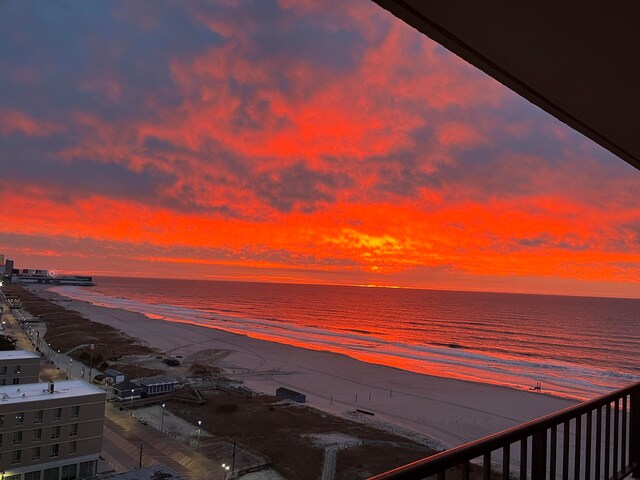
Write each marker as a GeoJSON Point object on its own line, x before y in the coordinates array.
{"type": "Point", "coordinates": [127, 390]}
{"type": "Point", "coordinates": [19, 367]}
{"type": "Point", "coordinates": [50, 431]}
{"type": "Point", "coordinates": [111, 376]}
{"type": "Point", "coordinates": [8, 268]}
{"type": "Point", "coordinates": [42, 277]}
{"type": "Point", "coordinates": [286, 394]}
{"type": "Point", "coordinates": [156, 385]}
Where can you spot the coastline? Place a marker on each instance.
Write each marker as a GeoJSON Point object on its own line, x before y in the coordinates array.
{"type": "Point", "coordinates": [447, 411]}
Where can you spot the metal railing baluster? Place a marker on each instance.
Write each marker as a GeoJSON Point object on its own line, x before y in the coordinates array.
{"type": "Point", "coordinates": [598, 443]}
{"type": "Point", "coordinates": [616, 432]}
{"type": "Point", "coordinates": [553, 453]}
{"type": "Point", "coordinates": [539, 455]}
{"type": "Point", "coordinates": [523, 458]}
{"type": "Point", "coordinates": [486, 466]}
{"type": "Point", "coordinates": [565, 450]}
{"type": "Point", "coordinates": [465, 470]}
{"type": "Point", "coordinates": [612, 451]}
{"type": "Point", "coordinates": [506, 460]}
{"type": "Point", "coordinates": [576, 450]}
{"type": "Point", "coordinates": [588, 446]}
{"type": "Point", "coordinates": [625, 431]}
{"type": "Point", "coordinates": [607, 440]}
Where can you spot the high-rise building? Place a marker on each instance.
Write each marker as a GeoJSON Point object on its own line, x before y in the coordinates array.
{"type": "Point", "coordinates": [50, 431]}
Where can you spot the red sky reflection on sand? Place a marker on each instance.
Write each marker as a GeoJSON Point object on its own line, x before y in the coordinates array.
{"type": "Point", "coordinates": [314, 142]}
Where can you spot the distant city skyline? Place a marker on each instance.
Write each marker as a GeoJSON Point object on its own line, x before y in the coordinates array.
{"type": "Point", "coordinates": [294, 142]}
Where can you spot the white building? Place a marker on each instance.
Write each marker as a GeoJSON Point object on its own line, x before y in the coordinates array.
{"type": "Point", "coordinates": [50, 431]}
{"type": "Point", "coordinates": [19, 367]}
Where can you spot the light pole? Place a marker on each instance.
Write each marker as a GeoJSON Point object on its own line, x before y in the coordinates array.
{"type": "Point", "coordinates": [233, 460]}
{"type": "Point", "coordinates": [58, 359]}
{"type": "Point", "coordinates": [162, 421]}
{"type": "Point", "coordinates": [225, 467]}
{"type": "Point", "coordinates": [132, 402]}
{"type": "Point", "coordinates": [91, 361]}
{"type": "Point", "coordinates": [69, 370]}
{"type": "Point", "coordinates": [199, 425]}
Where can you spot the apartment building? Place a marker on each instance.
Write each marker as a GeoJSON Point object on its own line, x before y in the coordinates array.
{"type": "Point", "coordinates": [50, 431]}
{"type": "Point", "coordinates": [19, 367]}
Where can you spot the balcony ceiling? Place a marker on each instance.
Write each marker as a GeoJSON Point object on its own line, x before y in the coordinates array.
{"type": "Point", "coordinates": [578, 60]}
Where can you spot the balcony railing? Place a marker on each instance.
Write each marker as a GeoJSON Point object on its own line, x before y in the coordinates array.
{"type": "Point", "coordinates": [598, 439]}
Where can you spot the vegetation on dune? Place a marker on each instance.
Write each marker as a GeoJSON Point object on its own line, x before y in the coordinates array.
{"type": "Point", "coordinates": [71, 332]}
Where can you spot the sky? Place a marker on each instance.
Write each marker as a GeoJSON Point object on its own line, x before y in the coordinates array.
{"type": "Point", "coordinates": [292, 141]}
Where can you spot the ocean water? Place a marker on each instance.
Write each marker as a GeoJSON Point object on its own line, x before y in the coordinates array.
{"type": "Point", "coordinates": [576, 347]}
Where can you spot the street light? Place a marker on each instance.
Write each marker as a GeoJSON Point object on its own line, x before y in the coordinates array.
{"type": "Point", "coordinates": [58, 359]}
{"type": "Point", "coordinates": [91, 347]}
{"type": "Point", "coordinates": [226, 470]}
{"type": "Point", "coordinates": [199, 424]}
{"type": "Point", "coordinates": [69, 370]}
{"type": "Point", "coordinates": [162, 421]}
{"type": "Point", "coordinates": [132, 402]}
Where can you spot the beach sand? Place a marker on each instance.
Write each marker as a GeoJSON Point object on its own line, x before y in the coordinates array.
{"type": "Point", "coordinates": [449, 412]}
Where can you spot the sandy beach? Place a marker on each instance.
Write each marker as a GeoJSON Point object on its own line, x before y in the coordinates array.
{"type": "Point", "coordinates": [438, 411]}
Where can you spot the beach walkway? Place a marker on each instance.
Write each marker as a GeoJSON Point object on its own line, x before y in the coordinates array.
{"type": "Point", "coordinates": [124, 437]}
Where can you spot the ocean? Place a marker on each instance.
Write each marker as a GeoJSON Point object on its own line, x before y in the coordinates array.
{"type": "Point", "coordinates": [575, 347]}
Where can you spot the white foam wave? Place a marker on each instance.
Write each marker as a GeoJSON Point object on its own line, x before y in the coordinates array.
{"type": "Point", "coordinates": [562, 378]}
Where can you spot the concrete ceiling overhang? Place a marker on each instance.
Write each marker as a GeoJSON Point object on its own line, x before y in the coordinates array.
{"type": "Point", "coordinates": [578, 60]}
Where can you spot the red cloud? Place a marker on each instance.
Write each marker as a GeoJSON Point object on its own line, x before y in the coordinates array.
{"type": "Point", "coordinates": [281, 163]}
{"type": "Point", "coordinates": [495, 239]}
{"type": "Point", "coordinates": [15, 121]}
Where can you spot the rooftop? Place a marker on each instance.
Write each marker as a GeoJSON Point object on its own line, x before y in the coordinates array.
{"type": "Point", "coordinates": [159, 380]}
{"type": "Point", "coordinates": [126, 385]}
{"type": "Point", "coordinates": [32, 392]}
{"type": "Point", "coordinates": [17, 355]}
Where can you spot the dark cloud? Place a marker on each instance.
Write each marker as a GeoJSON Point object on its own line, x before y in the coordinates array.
{"type": "Point", "coordinates": [298, 188]}
{"type": "Point", "coordinates": [84, 177]}
{"type": "Point", "coordinates": [66, 56]}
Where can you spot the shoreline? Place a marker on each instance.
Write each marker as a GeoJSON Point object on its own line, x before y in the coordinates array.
{"type": "Point", "coordinates": [447, 411]}
{"type": "Point", "coordinates": [379, 356]}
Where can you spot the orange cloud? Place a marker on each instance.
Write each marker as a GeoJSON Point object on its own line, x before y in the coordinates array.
{"type": "Point", "coordinates": [386, 240]}
{"type": "Point", "coordinates": [384, 160]}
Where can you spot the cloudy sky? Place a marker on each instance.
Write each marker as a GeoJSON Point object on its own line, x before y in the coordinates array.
{"type": "Point", "coordinates": [292, 141]}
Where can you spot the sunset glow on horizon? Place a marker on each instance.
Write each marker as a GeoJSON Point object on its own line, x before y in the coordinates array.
{"type": "Point", "coordinates": [296, 142]}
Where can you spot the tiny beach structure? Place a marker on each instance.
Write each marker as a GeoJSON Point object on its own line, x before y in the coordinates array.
{"type": "Point", "coordinates": [111, 376]}
{"type": "Point", "coordinates": [157, 385]}
{"type": "Point", "coordinates": [127, 390]}
{"type": "Point", "coordinates": [283, 393]}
